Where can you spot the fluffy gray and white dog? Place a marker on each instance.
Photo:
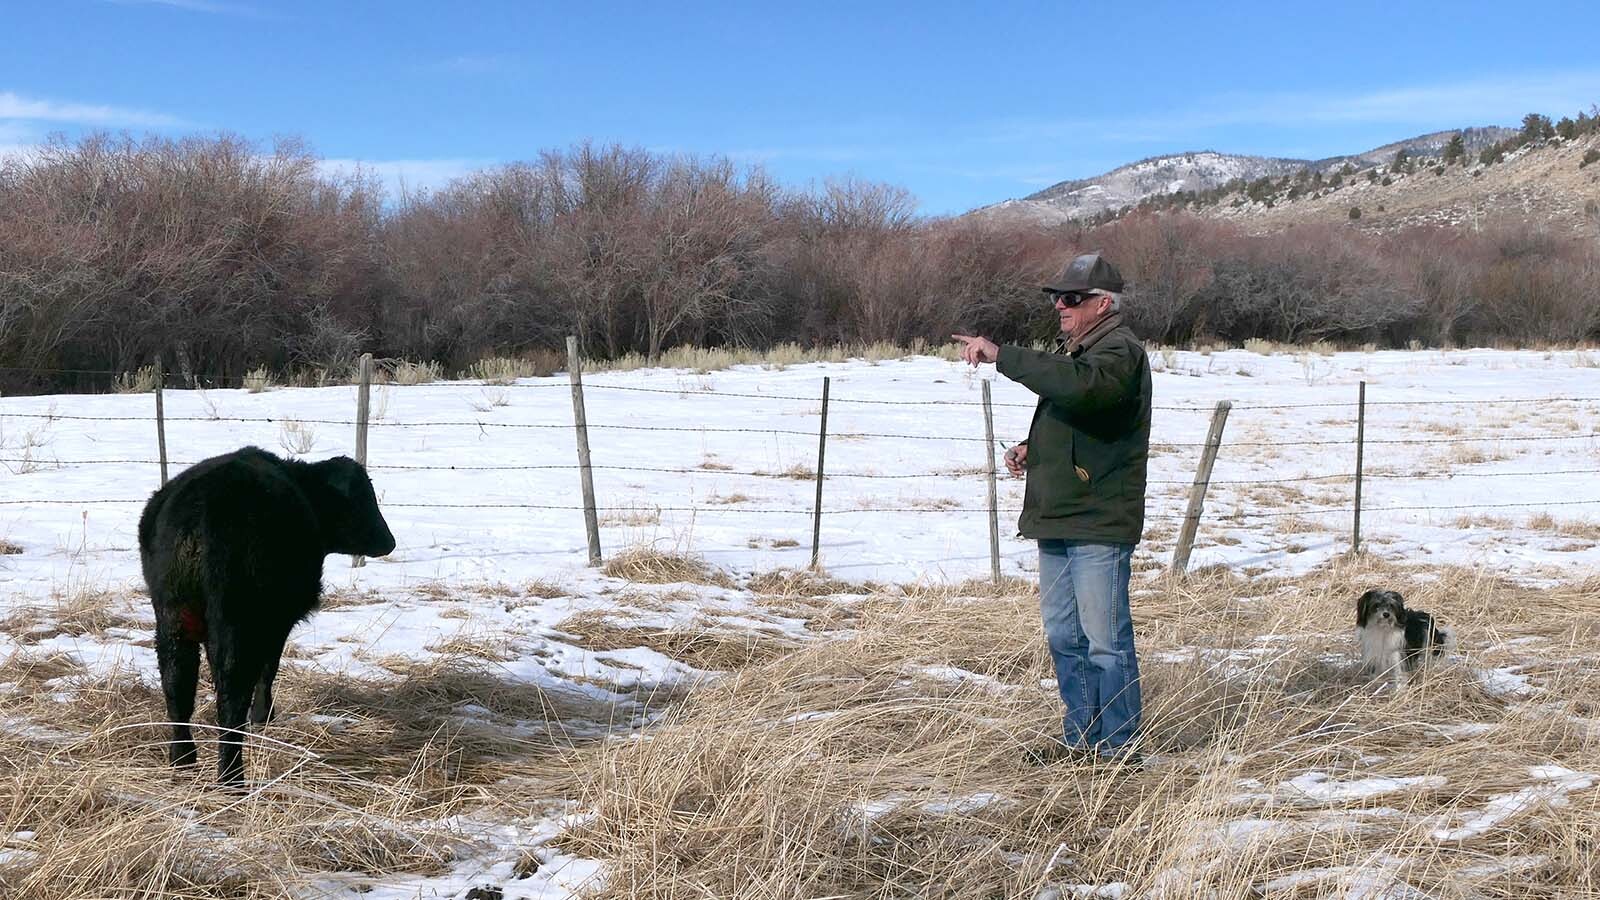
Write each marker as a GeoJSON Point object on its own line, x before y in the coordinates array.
{"type": "Point", "coordinates": [1396, 641]}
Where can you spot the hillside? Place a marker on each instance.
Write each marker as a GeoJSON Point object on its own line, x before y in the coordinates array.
{"type": "Point", "coordinates": [1540, 183]}
{"type": "Point", "coordinates": [1129, 184]}
{"type": "Point", "coordinates": [1545, 184]}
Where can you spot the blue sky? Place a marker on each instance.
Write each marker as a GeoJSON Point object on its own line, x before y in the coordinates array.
{"type": "Point", "coordinates": [962, 103]}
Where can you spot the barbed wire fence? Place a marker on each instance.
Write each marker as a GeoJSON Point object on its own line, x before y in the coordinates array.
{"type": "Point", "coordinates": [583, 466]}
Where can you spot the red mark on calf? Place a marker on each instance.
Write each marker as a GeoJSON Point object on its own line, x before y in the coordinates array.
{"type": "Point", "coordinates": [192, 625]}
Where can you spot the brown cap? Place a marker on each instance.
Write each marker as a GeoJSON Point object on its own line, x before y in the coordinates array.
{"type": "Point", "coordinates": [1089, 272]}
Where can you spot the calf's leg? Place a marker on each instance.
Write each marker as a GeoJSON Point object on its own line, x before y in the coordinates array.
{"type": "Point", "coordinates": [179, 660]}
{"type": "Point", "coordinates": [235, 669]}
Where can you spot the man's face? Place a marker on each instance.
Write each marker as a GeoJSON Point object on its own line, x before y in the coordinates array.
{"type": "Point", "coordinates": [1079, 312]}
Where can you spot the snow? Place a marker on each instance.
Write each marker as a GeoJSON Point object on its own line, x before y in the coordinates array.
{"type": "Point", "coordinates": [491, 548]}
{"type": "Point", "coordinates": [65, 542]}
{"type": "Point", "coordinates": [1320, 787]}
{"type": "Point", "coordinates": [1554, 784]}
{"type": "Point", "coordinates": [1505, 682]}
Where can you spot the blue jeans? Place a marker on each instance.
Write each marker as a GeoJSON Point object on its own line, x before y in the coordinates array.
{"type": "Point", "coordinates": [1083, 594]}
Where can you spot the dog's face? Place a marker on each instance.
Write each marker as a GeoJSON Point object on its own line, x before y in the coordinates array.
{"type": "Point", "coordinates": [1380, 609]}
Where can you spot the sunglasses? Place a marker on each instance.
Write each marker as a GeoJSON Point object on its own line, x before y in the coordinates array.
{"type": "Point", "coordinates": [1069, 300]}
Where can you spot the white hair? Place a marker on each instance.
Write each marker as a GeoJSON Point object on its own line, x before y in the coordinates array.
{"type": "Point", "coordinates": [1116, 299]}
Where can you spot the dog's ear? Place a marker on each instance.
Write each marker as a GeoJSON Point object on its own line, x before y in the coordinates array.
{"type": "Point", "coordinates": [1364, 607]}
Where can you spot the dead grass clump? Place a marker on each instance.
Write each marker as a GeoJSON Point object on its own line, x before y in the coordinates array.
{"type": "Point", "coordinates": [468, 645]}
{"type": "Point", "coordinates": [505, 370]}
{"type": "Point", "coordinates": [35, 669]}
{"type": "Point", "coordinates": [405, 372]}
{"type": "Point", "coordinates": [631, 515]}
{"type": "Point", "coordinates": [801, 583]}
{"type": "Point", "coordinates": [76, 614]}
{"type": "Point", "coordinates": [651, 566]}
{"type": "Point", "coordinates": [545, 589]}
{"type": "Point", "coordinates": [343, 598]}
{"type": "Point", "coordinates": [143, 380]}
{"type": "Point", "coordinates": [701, 645]}
{"type": "Point", "coordinates": [7, 548]}
{"type": "Point", "coordinates": [1574, 528]}
{"type": "Point", "coordinates": [258, 380]}
{"type": "Point", "coordinates": [370, 846]}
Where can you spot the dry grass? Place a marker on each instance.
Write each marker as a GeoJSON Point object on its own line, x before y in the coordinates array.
{"type": "Point", "coordinates": [801, 583]}
{"type": "Point", "coordinates": [648, 565]}
{"type": "Point", "coordinates": [545, 589]}
{"type": "Point", "coordinates": [74, 613]}
{"type": "Point", "coordinates": [630, 515]}
{"type": "Point", "coordinates": [1575, 528]}
{"type": "Point", "coordinates": [143, 380]}
{"type": "Point", "coordinates": [1475, 454]}
{"type": "Point", "coordinates": [7, 548]}
{"type": "Point", "coordinates": [780, 356]}
{"type": "Point", "coordinates": [1483, 521]}
{"type": "Point", "coordinates": [879, 759]}
{"type": "Point", "coordinates": [851, 768]}
{"type": "Point", "coordinates": [505, 370]}
{"type": "Point", "coordinates": [406, 372]}
{"type": "Point", "coordinates": [364, 789]}
{"type": "Point", "coordinates": [703, 644]}
{"type": "Point", "coordinates": [297, 438]}
{"type": "Point", "coordinates": [258, 380]}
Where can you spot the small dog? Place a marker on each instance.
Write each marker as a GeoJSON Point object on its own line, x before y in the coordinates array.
{"type": "Point", "coordinates": [1396, 641]}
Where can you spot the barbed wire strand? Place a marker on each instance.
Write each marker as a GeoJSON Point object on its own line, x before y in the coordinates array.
{"type": "Point", "coordinates": [788, 431]}
{"type": "Point", "coordinates": [1432, 475]}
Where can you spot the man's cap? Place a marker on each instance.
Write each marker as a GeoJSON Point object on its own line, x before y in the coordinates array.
{"type": "Point", "coordinates": [1089, 272]}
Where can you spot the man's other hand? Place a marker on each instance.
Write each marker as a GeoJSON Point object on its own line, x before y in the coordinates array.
{"type": "Point", "coordinates": [1016, 458]}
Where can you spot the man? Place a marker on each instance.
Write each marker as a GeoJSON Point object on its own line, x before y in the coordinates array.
{"type": "Point", "coordinates": [1085, 460]}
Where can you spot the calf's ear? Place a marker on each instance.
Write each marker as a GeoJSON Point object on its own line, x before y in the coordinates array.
{"type": "Point", "coordinates": [343, 474]}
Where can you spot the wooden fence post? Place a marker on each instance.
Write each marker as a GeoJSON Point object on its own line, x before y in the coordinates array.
{"type": "Point", "coordinates": [822, 452]}
{"type": "Point", "coordinates": [1197, 494]}
{"type": "Point", "coordinates": [580, 421]}
{"type": "Point", "coordinates": [994, 504]}
{"type": "Point", "coordinates": [1361, 437]}
{"type": "Point", "coordinates": [363, 407]}
{"type": "Point", "coordinates": [161, 423]}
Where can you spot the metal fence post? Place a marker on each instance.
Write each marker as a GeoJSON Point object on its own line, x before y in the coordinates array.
{"type": "Point", "coordinates": [822, 454]}
{"type": "Point", "coordinates": [994, 503]}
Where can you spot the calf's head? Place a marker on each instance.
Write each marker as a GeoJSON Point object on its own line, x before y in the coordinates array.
{"type": "Point", "coordinates": [351, 521]}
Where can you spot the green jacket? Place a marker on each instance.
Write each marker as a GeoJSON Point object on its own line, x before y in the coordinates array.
{"type": "Point", "coordinates": [1089, 444]}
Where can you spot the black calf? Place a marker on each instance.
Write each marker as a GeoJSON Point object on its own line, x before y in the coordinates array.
{"type": "Point", "coordinates": [232, 552]}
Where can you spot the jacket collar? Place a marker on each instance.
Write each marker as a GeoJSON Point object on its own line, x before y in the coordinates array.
{"type": "Point", "coordinates": [1101, 329]}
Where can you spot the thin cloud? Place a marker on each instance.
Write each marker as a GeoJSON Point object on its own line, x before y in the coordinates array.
{"type": "Point", "coordinates": [478, 64]}
{"type": "Point", "coordinates": [402, 176]}
{"type": "Point", "coordinates": [199, 6]}
{"type": "Point", "coordinates": [1479, 101]}
{"type": "Point", "coordinates": [818, 152]}
{"type": "Point", "coordinates": [14, 106]}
